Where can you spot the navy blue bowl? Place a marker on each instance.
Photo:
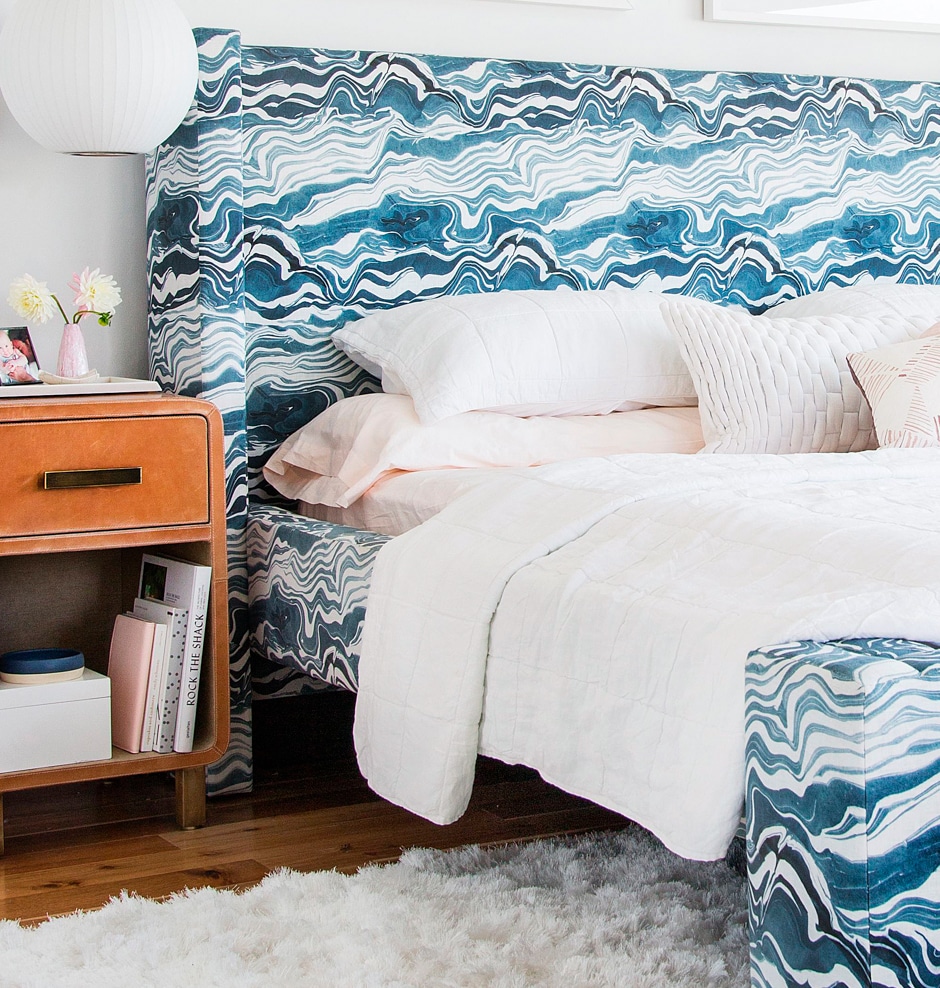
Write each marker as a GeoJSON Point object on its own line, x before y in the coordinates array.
{"type": "Point", "coordinates": [36, 661]}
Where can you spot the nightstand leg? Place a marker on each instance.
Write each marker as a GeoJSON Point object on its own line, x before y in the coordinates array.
{"type": "Point", "coordinates": [1, 823]}
{"type": "Point", "coordinates": [191, 797]}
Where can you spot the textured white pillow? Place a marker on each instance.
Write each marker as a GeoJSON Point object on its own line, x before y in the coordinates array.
{"type": "Point", "coordinates": [871, 299]}
{"type": "Point", "coordinates": [524, 353]}
{"type": "Point", "coordinates": [781, 385]}
{"type": "Point", "coordinates": [902, 385]}
{"type": "Point", "coordinates": [340, 454]}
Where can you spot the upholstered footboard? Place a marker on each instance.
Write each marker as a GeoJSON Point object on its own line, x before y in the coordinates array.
{"type": "Point", "coordinates": [308, 582]}
{"type": "Point", "coordinates": [843, 811]}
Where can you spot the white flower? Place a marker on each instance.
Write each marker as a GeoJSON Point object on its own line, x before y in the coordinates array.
{"type": "Point", "coordinates": [31, 299]}
{"type": "Point", "coordinates": [95, 292]}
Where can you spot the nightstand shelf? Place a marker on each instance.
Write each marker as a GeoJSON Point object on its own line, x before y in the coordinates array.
{"type": "Point", "coordinates": [70, 558]}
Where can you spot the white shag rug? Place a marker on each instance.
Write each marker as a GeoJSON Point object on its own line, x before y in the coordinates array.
{"type": "Point", "coordinates": [603, 910]}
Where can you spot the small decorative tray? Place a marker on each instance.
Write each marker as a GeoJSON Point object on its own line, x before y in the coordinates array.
{"type": "Point", "coordinates": [102, 386]}
{"type": "Point", "coordinates": [31, 666]}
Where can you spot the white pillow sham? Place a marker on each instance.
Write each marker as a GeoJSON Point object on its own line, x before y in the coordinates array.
{"type": "Point", "coordinates": [524, 353]}
{"type": "Point", "coordinates": [870, 299]}
{"type": "Point", "coordinates": [336, 457]}
{"type": "Point", "coordinates": [781, 385]}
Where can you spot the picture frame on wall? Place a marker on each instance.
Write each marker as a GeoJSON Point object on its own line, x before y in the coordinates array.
{"type": "Point", "coordinates": [601, 4]}
{"type": "Point", "coordinates": [18, 361]}
{"type": "Point", "coordinates": [879, 15]}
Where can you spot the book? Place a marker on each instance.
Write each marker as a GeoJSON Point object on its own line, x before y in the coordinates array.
{"type": "Point", "coordinates": [129, 672]}
{"type": "Point", "coordinates": [185, 585]}
{"type": "Point", "coordinates": [168, 699]}
{"type": "Point", "coordinates": [154, 683]}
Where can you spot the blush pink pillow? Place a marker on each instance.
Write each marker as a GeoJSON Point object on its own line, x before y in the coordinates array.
{"type": "Point", "coordinates": [335, 458]}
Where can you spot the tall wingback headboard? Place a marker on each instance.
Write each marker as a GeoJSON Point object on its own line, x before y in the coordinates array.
{"type": "Point", "coordinates": [307, 188]}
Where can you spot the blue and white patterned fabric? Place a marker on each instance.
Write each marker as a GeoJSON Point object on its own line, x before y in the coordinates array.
{"type": "Point", "coordinates": [197, 323]}
{"type": "Point", "coordinates": [843, 814]}
{"type": "Point", "coordinates": [309, 581]}
{"type": "Point", "coordinates": [308, 188]}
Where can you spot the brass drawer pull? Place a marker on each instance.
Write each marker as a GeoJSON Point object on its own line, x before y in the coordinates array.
{"type": "Point", "coordinates": [60, 480]}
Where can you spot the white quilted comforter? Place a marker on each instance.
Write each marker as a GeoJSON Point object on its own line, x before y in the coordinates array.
{"type": "Point", "coordinates": [592, 619]}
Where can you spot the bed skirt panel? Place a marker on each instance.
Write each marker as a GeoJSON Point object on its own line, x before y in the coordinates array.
{"type": "Point", "coordinates": [308, 586]}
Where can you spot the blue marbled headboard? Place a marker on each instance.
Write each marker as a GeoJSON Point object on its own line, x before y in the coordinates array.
{"type": "Point", "coordinates": [307, 188]}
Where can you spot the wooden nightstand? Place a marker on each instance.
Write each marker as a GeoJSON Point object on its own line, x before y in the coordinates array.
{"type": "Point", "coordinates": [70, 555]}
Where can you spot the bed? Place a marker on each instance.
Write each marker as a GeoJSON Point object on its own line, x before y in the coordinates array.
{"type": "Point", "coordinates": [308, 190]}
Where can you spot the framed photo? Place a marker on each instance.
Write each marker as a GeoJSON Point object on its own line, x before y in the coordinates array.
{"type": "Point", "coordinates": [18, 362]}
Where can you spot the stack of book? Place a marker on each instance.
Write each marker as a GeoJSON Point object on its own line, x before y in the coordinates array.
{"type": "Point", "coordinates": [156, 655]}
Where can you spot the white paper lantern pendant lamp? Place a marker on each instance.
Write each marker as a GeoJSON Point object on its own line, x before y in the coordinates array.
{"type": "Point", "coordinates": [98, 76]}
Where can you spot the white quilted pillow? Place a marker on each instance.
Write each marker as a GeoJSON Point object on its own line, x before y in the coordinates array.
{"type": "Point", "coordinates": [524, 353]}
{"type": "Point", "coordinates": [781, 385]}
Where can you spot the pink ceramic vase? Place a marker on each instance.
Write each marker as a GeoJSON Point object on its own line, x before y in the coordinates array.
{"type": "Point", "coordinates": [73, 361]}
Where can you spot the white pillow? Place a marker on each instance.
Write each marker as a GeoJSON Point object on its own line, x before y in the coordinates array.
{"type": "Point", "coordinates": [524, 352]}
{"type": "Point", "coordinates": [780, 385]}
{"type": "Point", "coordinates": [870, 299]}
{"type": "Point", "coordinates": [337, 456]}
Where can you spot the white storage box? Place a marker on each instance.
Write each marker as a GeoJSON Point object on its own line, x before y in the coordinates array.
{"type": "Point", "coordinates": [55, 723]}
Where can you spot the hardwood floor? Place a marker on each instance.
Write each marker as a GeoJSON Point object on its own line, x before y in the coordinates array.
{"type": "Point", "coordinates": [74, 847]}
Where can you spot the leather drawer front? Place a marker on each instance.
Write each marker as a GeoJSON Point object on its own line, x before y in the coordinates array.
{"type": "Point", "coordinates": [171, 452]}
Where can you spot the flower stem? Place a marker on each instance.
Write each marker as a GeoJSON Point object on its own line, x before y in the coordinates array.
{"type": "Point", "coordinates": [103, 317]}
{"type": "Point", "coordinates": [65, 318]}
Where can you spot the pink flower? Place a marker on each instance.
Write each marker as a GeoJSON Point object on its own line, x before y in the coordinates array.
{"type": "Point", "coordinates": [95, 292]}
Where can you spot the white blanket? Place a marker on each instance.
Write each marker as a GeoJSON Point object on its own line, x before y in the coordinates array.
{"type": "Point", "coordinates": [592, 620]}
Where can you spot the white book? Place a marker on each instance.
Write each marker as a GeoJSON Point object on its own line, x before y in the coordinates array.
{"type": "Point", "coordinates": [185, 585]}
{"type": "Point", "coordinates": [168, 698]}
{"type": "Point", "coordinates": [154, 682]}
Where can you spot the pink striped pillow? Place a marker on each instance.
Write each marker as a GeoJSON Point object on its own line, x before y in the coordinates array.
{"type": "Point", "coordinates": [902, 385]}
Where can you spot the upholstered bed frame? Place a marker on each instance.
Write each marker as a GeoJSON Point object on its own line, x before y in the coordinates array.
{"type": "Point", "coordinates": [307, 188]}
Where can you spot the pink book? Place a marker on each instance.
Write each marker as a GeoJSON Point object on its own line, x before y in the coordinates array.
{"type": "Point", "coordinates": [129, 672]}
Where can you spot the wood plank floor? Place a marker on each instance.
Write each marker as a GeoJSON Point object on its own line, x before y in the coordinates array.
{"type": "Point", "coordinates": [74, 847]}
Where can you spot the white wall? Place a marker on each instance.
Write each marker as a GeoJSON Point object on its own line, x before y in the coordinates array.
{"type": "Point", "coordinates": [62, 213]}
